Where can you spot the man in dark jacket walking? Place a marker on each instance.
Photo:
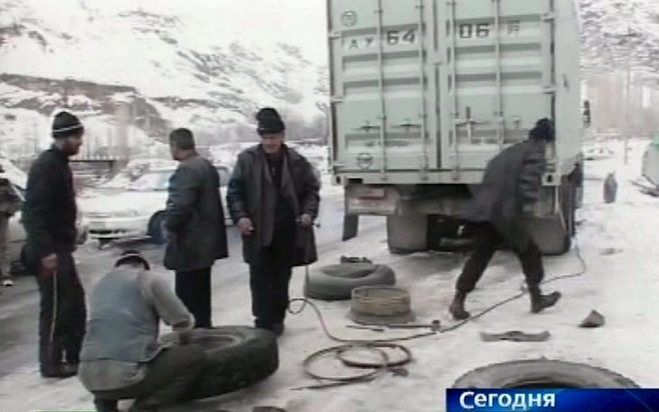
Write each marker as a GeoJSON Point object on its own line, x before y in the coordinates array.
{"type": "Point", "coordinates": [49, 217]}
{"type": "Point", "coordinates": [512, 182]}
{"type": "Point", "coordinates": [195, 225]}
{"type": "Point", "coordinates": [273, 198]}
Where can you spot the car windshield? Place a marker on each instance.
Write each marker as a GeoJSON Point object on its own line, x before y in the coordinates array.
{"type": "Point", "coordinates": [152, 182]}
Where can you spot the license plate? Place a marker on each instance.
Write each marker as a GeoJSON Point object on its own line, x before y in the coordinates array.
{"type": "Point", "coordinates": [390, 38]}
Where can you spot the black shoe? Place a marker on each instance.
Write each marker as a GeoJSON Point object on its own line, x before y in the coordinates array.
{"type": "Point", "coordinates": [106, 405]}
{"type": "Point", "coordinates": [540, 302]}
{"type": "Point", "coordinates": [457, 307]}
{"type": "Point", "coordinates": [59, 371]}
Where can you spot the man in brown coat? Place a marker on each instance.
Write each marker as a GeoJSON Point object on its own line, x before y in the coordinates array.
{"type": "Point", "coordinates": [273, 198]}
{"type": "Point", "coordinates": [195, 225]}
{"type": "Point", "coordinates": [512, 181]}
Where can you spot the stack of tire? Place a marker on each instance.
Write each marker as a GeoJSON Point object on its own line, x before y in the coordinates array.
{"type": "Point", "coordinates": [336, 282]}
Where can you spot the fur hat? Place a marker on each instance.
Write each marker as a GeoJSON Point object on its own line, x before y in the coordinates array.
{"type": "Point", "coordinates": [269, 121]}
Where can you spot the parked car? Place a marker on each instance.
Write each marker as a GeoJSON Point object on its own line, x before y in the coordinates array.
{"type": "Point", "coordinates": [597, 152]}
{"type": "Point", "coordinates": [138, 211]}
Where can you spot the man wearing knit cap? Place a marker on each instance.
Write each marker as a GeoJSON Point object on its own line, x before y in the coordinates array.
{"type": "Point", "coordinates": [273, 198]}
{"type": "Point", "coordinates": [49, 216]}
{"type": "Point", "coordinates": [511, 183]}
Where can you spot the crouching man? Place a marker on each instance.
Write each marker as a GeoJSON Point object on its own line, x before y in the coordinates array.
{"type": "Point", "coordinates": [121, 357]}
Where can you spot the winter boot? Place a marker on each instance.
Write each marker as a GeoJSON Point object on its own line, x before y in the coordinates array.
{"type": "Point", "coordinates": [540, 302]}
{"type": "Point", "coordinates": [457, 307]}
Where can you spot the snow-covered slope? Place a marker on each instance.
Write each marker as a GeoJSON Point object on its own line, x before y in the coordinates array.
{"type": "Point", "coordinates": [207, 64]}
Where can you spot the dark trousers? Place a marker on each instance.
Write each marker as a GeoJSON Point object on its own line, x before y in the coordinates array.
{"type": "Point", "coordinates": [62, 314]}
{"type": "Point", "coordinates": [194, 289]}
{"type": "Point", "coordinates": [167, 380]}
{"type": "Point", "coordinates": [270, 276]}
{"type": "Point", "coordinates": [489, 240]}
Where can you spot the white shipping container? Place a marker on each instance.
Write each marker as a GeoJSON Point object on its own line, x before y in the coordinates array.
{"type": "Point", "coordinates": [429, 91]}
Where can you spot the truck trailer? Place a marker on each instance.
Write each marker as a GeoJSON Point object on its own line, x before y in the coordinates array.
{"type": "Point", "coordinates": [425, 92]}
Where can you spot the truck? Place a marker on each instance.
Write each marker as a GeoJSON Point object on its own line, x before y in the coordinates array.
{"type": "Point", "coordinates": [425, 92]}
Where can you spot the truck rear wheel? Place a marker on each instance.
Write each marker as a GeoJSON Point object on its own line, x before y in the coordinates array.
{"type": "Point", "coordinates": [407, 234]}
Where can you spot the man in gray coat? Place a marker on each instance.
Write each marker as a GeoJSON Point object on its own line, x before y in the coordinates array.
{"type": "Point", "coordinates": [512, 182]}
{"type": "Point", "coordinates": [121, 357]}
{"type": "Point", "coordinates": [195, 225]}
{"type": "Point", "coordinates": [273, 198]}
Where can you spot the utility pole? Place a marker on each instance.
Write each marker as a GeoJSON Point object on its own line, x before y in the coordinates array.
{"type": "Point", "coordinates": [628, 99]}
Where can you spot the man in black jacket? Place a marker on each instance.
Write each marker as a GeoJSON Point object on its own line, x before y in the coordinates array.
{"type": "Point", "coordinates": [273, 198]}
{"type": "Point", "coordinates": [49, 217]}
{"type": "Point", "coordinates": [195, 225]}
{"type": "Point", "coordinates": [512, 182]}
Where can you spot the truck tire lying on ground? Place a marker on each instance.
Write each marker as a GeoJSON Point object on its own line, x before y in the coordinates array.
{"type": "Point", "coordinates": [336, 282]}
{"type": "Point", "coordinates": [237, 357]}
{"type": "Point", "coordinates": [542, 373]}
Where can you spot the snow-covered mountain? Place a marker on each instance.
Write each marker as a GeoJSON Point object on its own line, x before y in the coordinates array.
{"type": "Point", "coordinates": [207, 65]}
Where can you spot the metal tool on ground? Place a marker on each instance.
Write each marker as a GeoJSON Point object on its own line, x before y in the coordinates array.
{"type": "Point", "coordinates": [354, 259]}
{"type": "Point", "coordinates": [435, 325]}
{"type": "Point", "coordinates": [380, 305]}
{"type": "Point", "coordinates": [515, 336]}
{"type": "Point", "coordinates": [363, 327]}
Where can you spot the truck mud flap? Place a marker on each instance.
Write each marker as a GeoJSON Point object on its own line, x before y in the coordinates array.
{"type": "Point", "coordinates": [350, 227]}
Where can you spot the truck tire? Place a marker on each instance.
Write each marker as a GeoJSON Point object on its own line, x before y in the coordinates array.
{"type": "Point", "coordinates": [336, 282]}
{"type": "Point", "coordinates": [407, 234]}
{"type": "Point", "coordinates": [542, 373]}
{"type": "Point", "coordinates": [237, 357]}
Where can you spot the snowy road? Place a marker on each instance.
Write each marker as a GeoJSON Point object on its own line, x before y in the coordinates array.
{"type": "Point", "coordinates": [619, 242]}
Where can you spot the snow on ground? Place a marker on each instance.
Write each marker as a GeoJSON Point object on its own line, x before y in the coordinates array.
{"type": "Point", "coordinates": [619, 242]}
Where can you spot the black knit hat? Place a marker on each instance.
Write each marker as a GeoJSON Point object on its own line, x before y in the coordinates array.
{"type": "Point", "coordinates": [66, 124]}
{"type": "Point", "coordinates": [543, 130]}
{"type": "Point", "coordinates": [269, 121]}
{"type": "Point", "coordinates": [132, 256]}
